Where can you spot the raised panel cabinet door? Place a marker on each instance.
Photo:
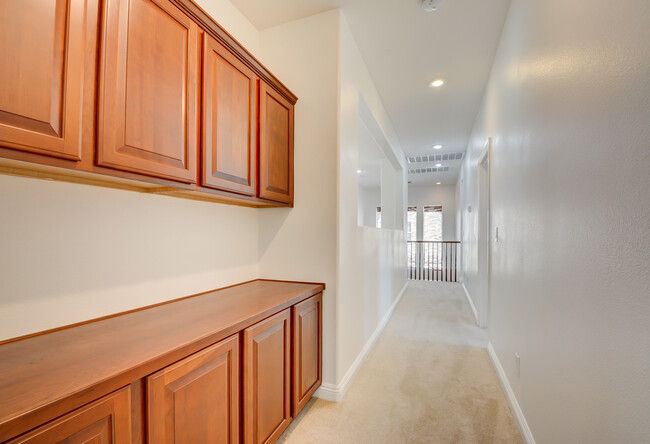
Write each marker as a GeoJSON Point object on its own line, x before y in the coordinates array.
{"type": "Point", "coordinates": [196, 400]}
{"type": "Point", "coordinates": [41, 76]}
{"type": "Point", "coordinates": [105, 421]}
{"type": "Point", "coordinates": [267, 362]}
{"type": "Point", "coordinates": [148, 104]}
{"type": "Point", "coordinates": [307, 350]}
{"type": "Point", "coordinates": [276, 146]}
{"type": "Point", "coordinates": [229, 121]}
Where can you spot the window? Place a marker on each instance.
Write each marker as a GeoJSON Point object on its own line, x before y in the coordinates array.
{"type": "Point", "coordinates": [412, 223]}
{"type": "Point", "coordinates": [378, 218]}
{"type": "Point", "coordinates": [432, 223]}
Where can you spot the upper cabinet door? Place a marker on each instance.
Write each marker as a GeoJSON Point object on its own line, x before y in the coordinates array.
{"type": "Point", "coordinates": [148, 104]}
{"type": "Point", "coordinates": [41, 76]}
{"type": "Point", "coordinates": [276, 146]}
{"type": "Point", "coordinates": [229, 121]}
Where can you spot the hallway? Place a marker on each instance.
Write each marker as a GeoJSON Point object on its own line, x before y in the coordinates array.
{"type": "Point", "coordinates": [428, 380]}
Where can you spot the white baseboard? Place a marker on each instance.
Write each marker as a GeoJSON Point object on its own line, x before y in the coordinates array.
{"type": "Point", "coordinates": [471, 304]}
{"type": "Point", "coordinates": [335, 392]}
{"type": "Point", "coordinates": [526, 434]}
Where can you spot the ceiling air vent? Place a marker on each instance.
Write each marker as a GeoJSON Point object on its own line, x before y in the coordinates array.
{"type": "Point", "coordinates": [427, 170]}
{"type": "Point", "coordinates": [435, 157]}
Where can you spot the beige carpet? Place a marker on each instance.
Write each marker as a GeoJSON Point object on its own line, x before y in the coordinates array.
{"type": "Point", "coordinates": [428, 380]}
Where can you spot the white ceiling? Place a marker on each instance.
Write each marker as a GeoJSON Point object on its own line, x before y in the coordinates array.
{"type": "Point", "coordinates": [405, 48]}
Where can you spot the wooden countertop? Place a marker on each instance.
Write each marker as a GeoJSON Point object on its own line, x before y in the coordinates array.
{"type": "Point", "coordinates": [44, 376]}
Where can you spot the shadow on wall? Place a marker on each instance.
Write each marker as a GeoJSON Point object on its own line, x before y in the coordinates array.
{"type": "Point", "coordinates": [69, 238]}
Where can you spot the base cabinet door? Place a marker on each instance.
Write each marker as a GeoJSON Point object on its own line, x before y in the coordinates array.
{"type": "Point", "coordinates": [41, 76]}
{"type": "Point", "coordinates": [267, 362]}
{"type": "Point", "coordinates": [307, 350]}
{"type": "Point", "coordinates": [105, 421]}
{"type": "Point", "coordinates": [196, 400]}
{"type": "Point", "coordinates": [276, 146]}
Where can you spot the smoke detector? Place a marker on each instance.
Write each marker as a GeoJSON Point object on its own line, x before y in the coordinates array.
{"type": "Point", "coordinates": [430, 5]}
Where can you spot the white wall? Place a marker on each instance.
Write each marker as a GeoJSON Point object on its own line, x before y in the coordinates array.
{"type": "Point", "coordinates": [371, 262]}
{"type": "Point", "coordinates": [568, 106]}
{"type": "Point", "coordinates": [300, 243]}
{"type": "Point", "coordinates": [369, 200]}
{"type": "Point", "coordinates": [72, 252]}
{"type": "Point", "coordinates": [234, 22]}
{"type": "Point", "coordinates": [444, 195]}
{"type": "Point", "coordinates": [319, 239]}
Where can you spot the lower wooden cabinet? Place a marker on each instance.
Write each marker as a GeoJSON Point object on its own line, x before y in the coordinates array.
{"type": "Point", "coordinates": [307, 350]}
{"type": "Point", "coordinates": [224, 367]}
{"type": "Point", "coordinates": [105, 421]}
{"type": "Point", "coordinates": [267, 379]}
{"type": "Point", "coordinates": [196, 400]}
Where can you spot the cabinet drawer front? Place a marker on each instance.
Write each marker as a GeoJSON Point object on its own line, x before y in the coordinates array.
{"type": "Point", "coordinates": [148, 103]}
{"type": "Point", "coordinates": [276, 146]}
{"type": "Point", "coordinates": [307, 350]}
{"type": "Point", "coordinates": [229, 121]}
{"type": "Point", "coordinates": [105, 421]}
{"type": "Point", "coordinates": [41, 76]}
{"type": "Point", "coordinates": [267, 352]}
{"type": "Point", "coordinates": [196, 400]}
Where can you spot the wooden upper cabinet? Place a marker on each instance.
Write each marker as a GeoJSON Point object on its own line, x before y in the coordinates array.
{"type": "Point", "coordinates": [148, 104]}
{"type": "Point", "coordinates": [196, 400]}
{"type": "Point", "coordinates": [276, 146]}
{"type": "Point", "coordinates": [41, 76]}
{"type": "Point", "coordinates": [267, 363]}
{"type": "Point", "coordinates": [229, 121]}
{"type": "Point", "coordinates": [105, 421]}
{"type": "Point", "coordinates": [307, 350]}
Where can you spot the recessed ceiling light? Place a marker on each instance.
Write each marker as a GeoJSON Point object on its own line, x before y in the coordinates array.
{"type": "Point", "coordinates": [437, 83]}
{"type": "Point", "coordinates": [359, 171]}
{"type": "Point", "coordinates": [438, 183]}
{"type": "Point", "coordinates": [438, 165]}
{"type": "Point", "coordinates": [437, 147]}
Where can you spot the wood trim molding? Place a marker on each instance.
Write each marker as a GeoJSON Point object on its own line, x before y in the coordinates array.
{"type": "Point", "coordinates": [209, 25]}
{"type": "Point", "coordinates": [295, 282]}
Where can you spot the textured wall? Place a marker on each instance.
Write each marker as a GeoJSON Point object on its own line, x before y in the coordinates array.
{"type": "Point", "coordinates": [568, 106]}
{"type": "Point", "coordinates": [312, 240]}
{"type": "Point", "coordinates": [371, 263]}
{"type": "Point", "coordinates": [74, 252]}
